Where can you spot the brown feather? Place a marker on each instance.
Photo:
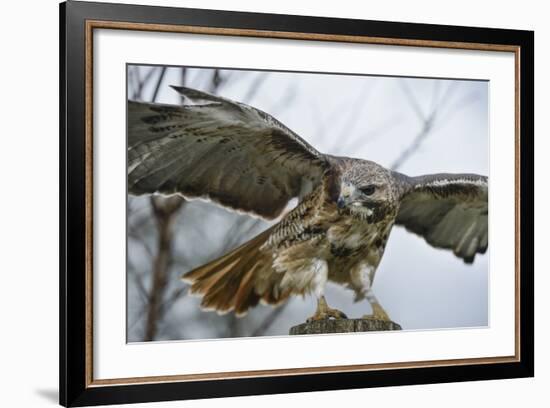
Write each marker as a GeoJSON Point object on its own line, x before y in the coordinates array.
{"type": "Point", "coordinates": [228, 283]}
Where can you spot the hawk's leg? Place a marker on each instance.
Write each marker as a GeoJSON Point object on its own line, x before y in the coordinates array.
{"type": "Point", "coordinates": [378, 312]}
{"type": "Point", "coordinates": [324, 312]}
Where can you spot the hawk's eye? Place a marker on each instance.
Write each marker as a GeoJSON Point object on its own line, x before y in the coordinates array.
{"type": "Point", "coordinates": [368, 190]}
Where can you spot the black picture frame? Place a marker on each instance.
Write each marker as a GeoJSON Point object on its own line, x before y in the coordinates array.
{"type": "Point", "coordinates": [76, 387]}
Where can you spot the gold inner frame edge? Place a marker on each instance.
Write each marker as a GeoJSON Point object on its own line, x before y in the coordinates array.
{"type": "Point", "coordinates": [101, 24]}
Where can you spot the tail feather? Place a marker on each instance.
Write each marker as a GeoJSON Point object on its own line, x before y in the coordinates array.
{"type": "Point", "coordinates": [229, 282]}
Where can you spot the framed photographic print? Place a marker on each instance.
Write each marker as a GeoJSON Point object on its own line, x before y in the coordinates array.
{"type": "Point", "coordinates": [256, 203]}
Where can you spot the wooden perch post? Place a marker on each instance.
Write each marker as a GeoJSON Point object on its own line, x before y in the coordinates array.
{"type": "Point", "coordinates": [343, 326]}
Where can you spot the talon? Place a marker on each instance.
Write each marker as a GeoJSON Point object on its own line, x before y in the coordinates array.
{"type": "Point", "coordinates": [325, 312]}
{"type": "Point", "coordinates": [378, 313]}
{"type": "Point", "coordinates": [313, 318]}
{"type": "Point", "coordinates": [338, 314]}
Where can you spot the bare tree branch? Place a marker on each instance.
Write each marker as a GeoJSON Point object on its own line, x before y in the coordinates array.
{"type": "Point", "coordinates": [284, 102]}
{"type": "Point", "coordinates": [159, 83]}
{"type": "Point", "coordinates": [254, 87]}
{"type": "Point", "coordinates": [183, 78]}
{"type": "Point", "coordinates": [427, 121]}
{"type": "Point", "coordinates": [144, 81]}
{"type": "Point", "coordinates": [415, 144]}
{"type": "Point", "coordinates": [168, 303]}
{"type": "Point", "coordinates": [139, 283]}
{"type": "Point", "coordinates": [233, 326]}
{"type": "Point", "coordinates": [354, 116]}
{"type": "Point", "coordinates": [373, 134]}
{"type": "Point", "coordinates": [412, 100]}
{"type": "Point", "coordinates": [460, 104]}
{"type": "Point", "coordinates": [216, 81]}
{"type": "Point", "coordinates": [132, 82]}
{"type": "Point", "coordinates": [269, 320]}
{"type": "Point", "coordinates": [164, 210]}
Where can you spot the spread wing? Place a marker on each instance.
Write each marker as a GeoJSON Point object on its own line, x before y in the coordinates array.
{"type": "Point", "coordinates": [449, 210]}
{"type": "Point", "coordinates": [213, 148]}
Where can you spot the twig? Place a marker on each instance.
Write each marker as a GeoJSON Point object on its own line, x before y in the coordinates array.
{"type": "Point", "coordinates": [173, 298]}
{"type": "Point", "coordinates": [139, 283]}
{"type": "Point", "coordinates": [254, 87]}
{"type": "Point", "coordinates": [415, 144]}
{"type": "Point", "coordinates": [284, 102]}
{"type": "Point", "coordinates": [427, 122]}
{"type": "Point", "coordinates": [144, 81]}
{"type": "Point", "coordinates": [269, 320]}
{"type": "Point", "coordinates": [159, 82]}
{"type": "Point", "coordinates": [354, 115]}
{"type": "Point", "coordinates": [183, 78]}
{"type": "Point", "coordinates": [216, 81]}
{"type": "Point", "coordinates": [412, 100]}
{"type": "Point", "coordinates": [373, 134]}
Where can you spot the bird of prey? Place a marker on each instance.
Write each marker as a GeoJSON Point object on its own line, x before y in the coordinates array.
{"type": "Point", "coordinates": [239, 157]}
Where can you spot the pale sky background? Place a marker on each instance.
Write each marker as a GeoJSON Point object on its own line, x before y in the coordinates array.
{"type": "Point", "coordinates": [374, 118]}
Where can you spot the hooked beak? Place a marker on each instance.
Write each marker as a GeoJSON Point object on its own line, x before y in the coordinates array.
{"type": "Point", "coordinates": [346, 194]}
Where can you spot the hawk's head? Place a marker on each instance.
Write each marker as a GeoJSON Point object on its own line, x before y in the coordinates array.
{"type": "Point", "coordinates": [366, 190]}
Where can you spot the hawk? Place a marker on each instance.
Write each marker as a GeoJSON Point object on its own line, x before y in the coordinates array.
{"type": "Point", "coordinates": [239, 157]}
